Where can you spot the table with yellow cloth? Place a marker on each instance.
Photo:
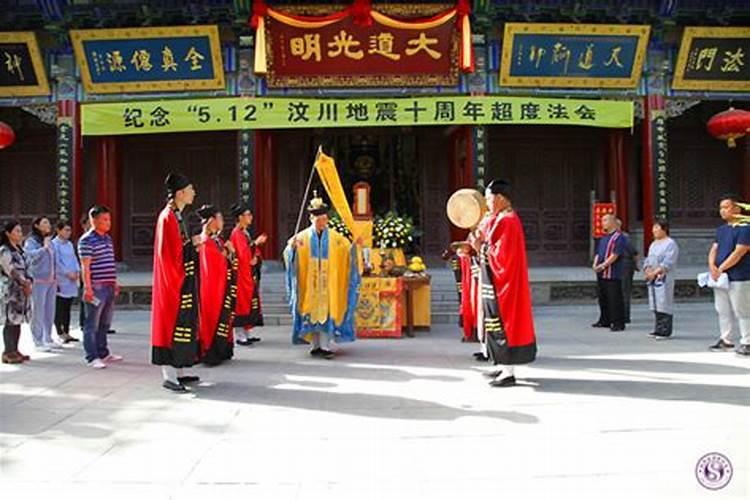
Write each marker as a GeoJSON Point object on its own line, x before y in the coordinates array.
{"type": "Point", "coordinates": [381, 310]}
{"type": "Point", "coordinates": [421, 305]}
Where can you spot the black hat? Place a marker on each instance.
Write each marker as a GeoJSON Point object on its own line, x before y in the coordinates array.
{"type": "Point", "coordinates": [239, 208]}
{"type": "Point", "coordinates": [206, 212]}
{"type": "Point", "coordinates": [317, 206]}
{"type": "Point", "coordinates": [499, 186]}
{"type": "Point", "coordinates": [174, 182]}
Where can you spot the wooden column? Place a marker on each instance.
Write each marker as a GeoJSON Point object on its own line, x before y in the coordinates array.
{"type": "Point", "coordinates": [647, 176]}
{"type": "Point", "coordinates": [618, 173]}
{"type": "Point", "coordinates": [109, 186]}
{"type": "Point", "coordinates": [266, 193]}
{"type": "Point", "coordinates": [654, 166]}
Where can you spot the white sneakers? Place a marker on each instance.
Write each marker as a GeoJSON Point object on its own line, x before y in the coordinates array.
{"type": "Point", "coordinates": [97, 364]}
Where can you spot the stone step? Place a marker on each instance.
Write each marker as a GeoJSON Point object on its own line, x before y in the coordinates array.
{"type": "Point", "coordinates": [567, 292]}
{"type": "Point", "coordinates": [286, 319]}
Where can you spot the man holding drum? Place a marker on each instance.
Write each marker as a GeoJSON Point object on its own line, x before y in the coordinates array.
{"type": "Point", "coordinates": [508, 325]}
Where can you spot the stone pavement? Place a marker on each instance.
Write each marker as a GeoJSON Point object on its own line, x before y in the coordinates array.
{"type": "Point", "coordinates": [600, 415]}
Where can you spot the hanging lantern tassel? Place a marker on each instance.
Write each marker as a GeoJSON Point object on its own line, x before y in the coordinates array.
{"type": "Point", "coordinates": [260, 9]}
{"type": "Point", "coordinates": [463, 9]}
{"type": "Point", "coordinates": [729, 125]}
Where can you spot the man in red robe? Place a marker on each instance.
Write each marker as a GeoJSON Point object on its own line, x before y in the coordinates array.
{"type": "Point", "coordinates": [218, 289]}
{"type": "Point", "coordinates": [247, 312]}
{"type": "Point", "coordinates": [174, 304]}
{"type": "Point", "coordinates": [508, 320]}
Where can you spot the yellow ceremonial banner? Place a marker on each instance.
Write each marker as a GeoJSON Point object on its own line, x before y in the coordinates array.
{"type": "Point", "coordinates": [326, 168]}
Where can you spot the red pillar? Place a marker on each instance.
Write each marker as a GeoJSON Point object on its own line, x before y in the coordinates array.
{"type": "Point", "coordinates": [108, 186]}
{"type": "Point", "coordinates": [650, 104]}
{"type": "Point", "coordinates": [745, 173]}
{"type": "Point", "coordinates": [266, 191]}
{"type": "Point", "coordinates": [621, 175]}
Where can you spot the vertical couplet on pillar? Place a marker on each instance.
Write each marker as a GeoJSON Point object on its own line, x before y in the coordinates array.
{"type": "Point", "coordinates": [245, 155]}
{"type": "Point", "coordinates": [69, 164]}
{"type": "Point", "coordinates": [654, 167]}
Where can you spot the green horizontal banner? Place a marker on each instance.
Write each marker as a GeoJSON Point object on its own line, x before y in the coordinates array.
{"type": "Point", "coordinates": [234, 113]}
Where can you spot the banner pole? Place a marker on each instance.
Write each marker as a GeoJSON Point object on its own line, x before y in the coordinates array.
{"type": "Point", "coordinates": [307, 190]}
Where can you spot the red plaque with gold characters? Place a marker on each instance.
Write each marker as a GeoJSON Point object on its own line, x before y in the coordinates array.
{"type": "Point", "coordinates": [598, 210]}
{"type": "Point", "coordinates": [371, 48]}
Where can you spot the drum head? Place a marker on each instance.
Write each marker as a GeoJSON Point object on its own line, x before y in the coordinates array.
{"type": "Point", "coordinates": [466, 207]}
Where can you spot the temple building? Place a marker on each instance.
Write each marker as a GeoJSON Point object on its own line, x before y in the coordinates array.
{"type": "Point", "coordinates": [575, 103]}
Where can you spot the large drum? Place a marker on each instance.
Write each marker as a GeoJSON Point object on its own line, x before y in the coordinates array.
{"type": "Point", "coordinates": [466, 207]}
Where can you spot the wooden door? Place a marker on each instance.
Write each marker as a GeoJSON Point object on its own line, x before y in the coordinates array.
{"type": "Point", "coordinates": [209, 159]}
{"type": "Point", "coordinates": [552, 171]}
{"type": "Point", "coordinates": [27, 170]}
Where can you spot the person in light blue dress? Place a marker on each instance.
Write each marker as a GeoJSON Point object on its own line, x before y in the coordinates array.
{"type": "Point", "coordinates": [659, 269]}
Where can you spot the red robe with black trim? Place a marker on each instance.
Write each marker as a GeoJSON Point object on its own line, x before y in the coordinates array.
{"type": "Point", "coordinates": [169, 274]}
{"type": "Point", "coordinates": [213, 287]}
{"type": "Point", "coordinates": [245, 280]}
{"type": "Point", "coordinates": [507, 259]}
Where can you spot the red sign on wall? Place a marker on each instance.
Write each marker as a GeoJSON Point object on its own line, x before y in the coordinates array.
{"type": "Point", "coordinates": [342, 52]}
{"type": "Point", "coordinates": [599, 210]}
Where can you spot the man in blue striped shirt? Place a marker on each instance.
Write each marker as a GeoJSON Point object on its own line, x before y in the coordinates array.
{"type": "Point", "coordinates": [99, 287]}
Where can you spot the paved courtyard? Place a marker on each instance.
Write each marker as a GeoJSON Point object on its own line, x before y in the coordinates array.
{"type": "Point", "coordinates": [600, 415]}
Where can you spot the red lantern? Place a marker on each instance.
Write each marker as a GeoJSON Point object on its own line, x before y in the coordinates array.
{"type": "Point", "coordinates": [7, 136]}
{"type": "Point", "coordinates": [729, 125]}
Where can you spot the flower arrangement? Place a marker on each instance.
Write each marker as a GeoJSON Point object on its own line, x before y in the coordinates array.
{"type": "Point", "coordinates": [335, 223]}
{"type": "Point", "coordinates": [393, 231]}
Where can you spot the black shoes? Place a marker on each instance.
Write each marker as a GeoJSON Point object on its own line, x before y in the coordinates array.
{"type": "Point", "coordinates": [617, 328]}
{"type": "Point", "coordinates": [244, 342]}
{"type": "Point", "coordinates": [479, 356]}
{"type": "Point", "coordinates": [253, 340]}
{"type": "Point", "coordinates": [322, 353]}
{"type": "Point", "coordinates": [720, 345]}
{"type": "Point", "coordinates": [171, 386]}
{"type": "Point", "coordinates": [504, 382]}
{"type": "Point", "coordinates": [599, 324]}
{"type": "Point", "coordinates": [188, 379]}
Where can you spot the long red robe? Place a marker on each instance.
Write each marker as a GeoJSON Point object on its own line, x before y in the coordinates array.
{"type": "Point", "coordinates": [507, 260]}
{"type": "Point", "coordinates": [169, 276]}
{"type": "Point", "coordinates": [214, 279]}
{"type": "Point", "coordinates": [468, 299]}
{"type": "Point", "coordinates": [245, 278]}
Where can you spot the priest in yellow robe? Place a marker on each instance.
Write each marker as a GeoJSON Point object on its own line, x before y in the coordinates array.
{"type": "Point", "coordinates": [322, 281]}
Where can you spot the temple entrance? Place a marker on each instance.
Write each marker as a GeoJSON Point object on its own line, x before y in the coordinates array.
{"type": "Point", "coordinates": [408, 170]}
